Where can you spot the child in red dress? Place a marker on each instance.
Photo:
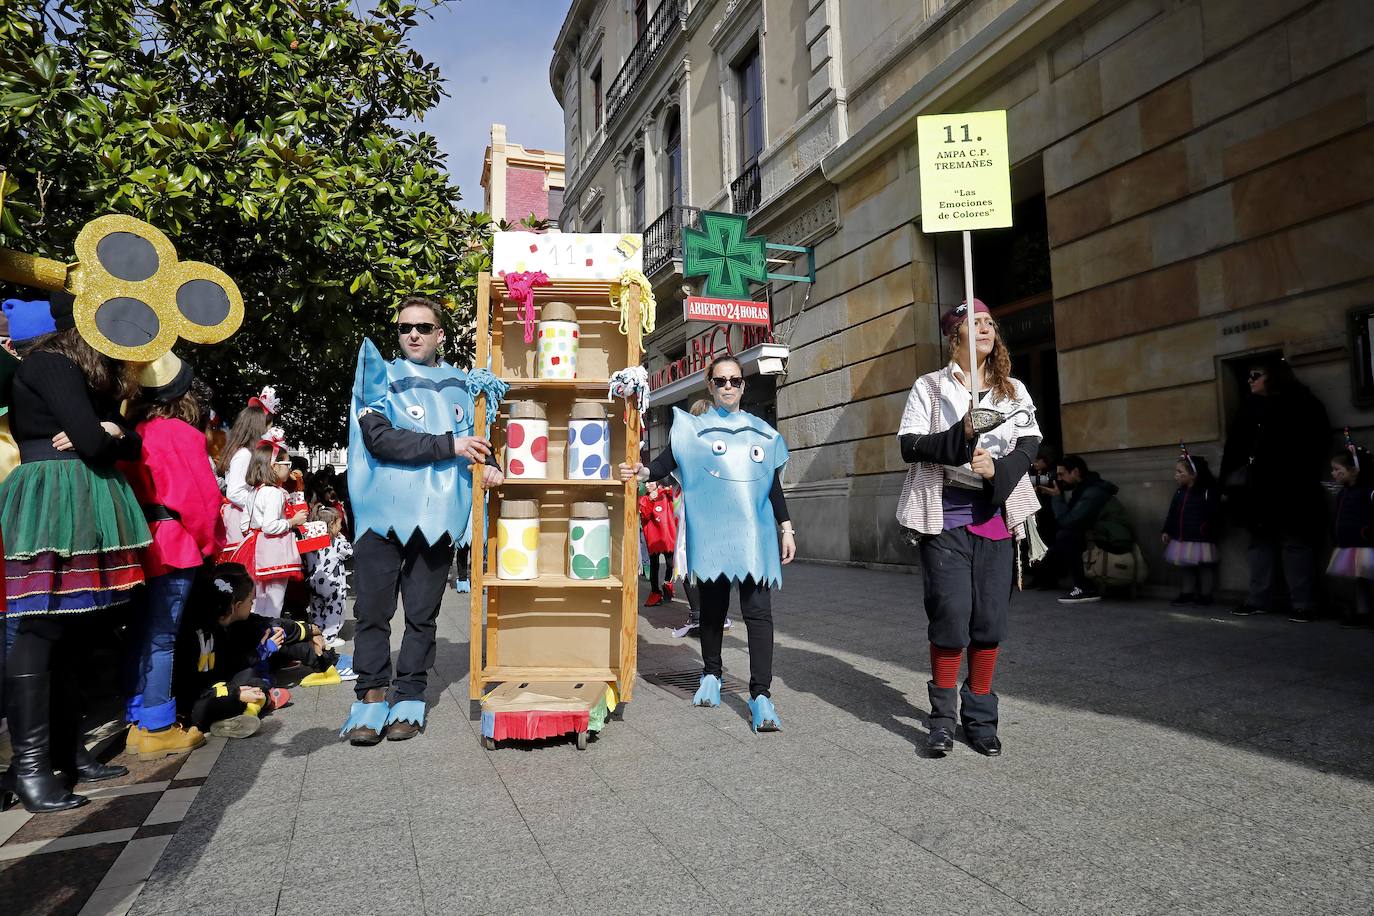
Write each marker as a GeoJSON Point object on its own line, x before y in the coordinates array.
{"type": "Point", "coordinates": [660, 536]}
{"type": "Point", "coordinates": [269, 546]}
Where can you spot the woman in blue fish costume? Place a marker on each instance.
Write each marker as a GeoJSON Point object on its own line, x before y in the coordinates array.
{"type": "Point", "coordinates": [410, 448]}
{"type": "Point", "coordinates": [730, 465]}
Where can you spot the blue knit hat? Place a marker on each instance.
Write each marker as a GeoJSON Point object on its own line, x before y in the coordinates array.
{"type": "Point", "coordinates": [28, 319]}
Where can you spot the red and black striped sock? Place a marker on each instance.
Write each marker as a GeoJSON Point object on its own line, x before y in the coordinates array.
{"type": "Point", "coordinates": [982, 661]}
{"type": "Point", "coordinates": [944, 665]}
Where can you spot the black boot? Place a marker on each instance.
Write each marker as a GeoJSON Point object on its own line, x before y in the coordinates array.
{"type": "Point", "coordinates": [30, 778]}
{"type": "Point", "coordinates": [69, 754]}
{"type": "Point", "coordinates": [944, 705]}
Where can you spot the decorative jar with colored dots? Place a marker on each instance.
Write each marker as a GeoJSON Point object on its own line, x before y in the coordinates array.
{"type": "Point", "coordinates": [589, 542]}
{"type": "Point", "coordinates": [517, 540]}
{"type": "Point", "coordinates": [527, 441]}
{"type": "Point", "coordinates": [558, 336]}
{"type": "Point", "coordinates": [589, 442]}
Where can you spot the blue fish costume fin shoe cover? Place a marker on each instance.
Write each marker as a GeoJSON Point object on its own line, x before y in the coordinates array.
{"type": "Point", "coordinates": [433, 499]}
{"type": "Point", "coordinates": [726, 462]}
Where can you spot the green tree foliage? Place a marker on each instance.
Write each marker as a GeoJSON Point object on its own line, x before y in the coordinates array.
{"type": "Point", "coordinates": [266, 137]}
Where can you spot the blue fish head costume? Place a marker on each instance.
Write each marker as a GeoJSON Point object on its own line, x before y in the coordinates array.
{"type": "Point", "coordinates": [434, 499]}
{"type": "Point", "coordinates": [726, 462]}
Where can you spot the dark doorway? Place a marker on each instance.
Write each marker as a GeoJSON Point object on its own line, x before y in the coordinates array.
{"type": "Point", "coordinates": [1011, 273]}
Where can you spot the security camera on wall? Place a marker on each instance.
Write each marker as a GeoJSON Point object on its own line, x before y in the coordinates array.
{"type": "Point", "coordinates": [772, 365]}
{"type": "Point", "coordinates": [773, 359]}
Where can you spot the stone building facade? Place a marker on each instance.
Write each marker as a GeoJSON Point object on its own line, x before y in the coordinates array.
{"type": "Point", "coordinates": [1194, 185]}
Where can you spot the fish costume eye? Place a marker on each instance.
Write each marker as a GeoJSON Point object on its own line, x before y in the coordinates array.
{"type": "Point", "coordinates": [458, 414]}
{"type": "Point", "coordinates": [756, 454]}
{"type": "Point", "coordinates": [416, 412]}
{"type": "Point", "coordinates": [718, 446]}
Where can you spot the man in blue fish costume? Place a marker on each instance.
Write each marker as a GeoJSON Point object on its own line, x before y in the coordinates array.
{"type": "Point", "coordinates": [730, 465]}
{"type": "Point", "coordinates": [411, 446]}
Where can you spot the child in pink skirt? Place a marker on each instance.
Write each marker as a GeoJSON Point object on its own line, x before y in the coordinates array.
{"type": "Point", "coordinates": [269, 547]}
{"type": "Point", "coordinates": [1190, 529]}
{"type": "Point", "coordinates": [1353, 557]}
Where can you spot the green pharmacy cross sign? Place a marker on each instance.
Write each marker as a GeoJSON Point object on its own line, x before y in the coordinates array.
{"type": "Point", "coordinates": [729, 259]}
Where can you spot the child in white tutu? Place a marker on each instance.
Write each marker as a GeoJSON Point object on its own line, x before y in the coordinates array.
{"type": "Point", "coordinates": [1353, 557]}
{"type": "Point", "coordinates": [1190, 529]}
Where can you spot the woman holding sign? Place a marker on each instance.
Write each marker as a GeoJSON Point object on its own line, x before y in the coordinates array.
{"type": "Point", "coordinates": [967, 501]}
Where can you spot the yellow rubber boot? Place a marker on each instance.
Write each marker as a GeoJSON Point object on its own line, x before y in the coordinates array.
{"type": "Point", "coordinates": [168, 742]}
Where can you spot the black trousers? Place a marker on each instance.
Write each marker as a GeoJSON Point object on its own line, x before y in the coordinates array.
{"type": "Point", "coordinates": [694, 602]}
{"type": "Point", "coordinates": [655, 579]}
{"type": "Point", "coordinates": [59, 644]}
{"type": "Point", "coordinates": [1069, 544]}
{"type": "Point", "coordinates": [968, 582]}
{"type": "Point", "coordinates": [756, 607]}
{"type": "Point", "coordinates": [210, 708]}
{"type": "Point", "coordinates": [385, 569]}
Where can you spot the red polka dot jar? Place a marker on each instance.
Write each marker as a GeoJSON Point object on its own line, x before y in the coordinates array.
{"type": "Point", "coordinates": [527, 441]}
{"type": "Point", "coordinates": [557, 341]}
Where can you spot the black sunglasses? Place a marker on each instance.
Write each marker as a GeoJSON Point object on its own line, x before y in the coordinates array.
{"type": "Point", "coordinates": [424, 327]}
{"type": "Point", "coordinates": [1256, 376]}
{"type": "Point", "coordinates": [731, 381]}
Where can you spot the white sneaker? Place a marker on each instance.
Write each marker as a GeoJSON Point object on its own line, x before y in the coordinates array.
{"type": "Point", "coordinates": [727, 623]}
{"type": "Point", "coordinates": [334, 642]}
{"type": "Point", "coordinates": [346, 673]}
{"type": "Point", "coordinates": [685, 630]}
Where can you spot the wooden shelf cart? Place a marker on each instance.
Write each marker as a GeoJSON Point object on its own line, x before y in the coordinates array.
{"type": "Point", "coordinates": [555, 629]}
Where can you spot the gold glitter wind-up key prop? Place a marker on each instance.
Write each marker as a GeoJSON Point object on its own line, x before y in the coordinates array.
{"type": "Point", "coordinates": [134, 299]}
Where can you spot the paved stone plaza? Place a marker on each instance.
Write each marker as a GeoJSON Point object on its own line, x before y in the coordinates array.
{"type": "Point", "coordinates": [1157, 761]}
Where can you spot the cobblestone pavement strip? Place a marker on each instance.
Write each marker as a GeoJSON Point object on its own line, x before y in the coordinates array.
{"type": "Point", "coordinates": [1158, 761]}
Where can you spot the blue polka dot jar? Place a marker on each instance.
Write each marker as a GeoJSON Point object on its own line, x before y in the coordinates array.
{"type": "Point", "coordinates": [589, 442]}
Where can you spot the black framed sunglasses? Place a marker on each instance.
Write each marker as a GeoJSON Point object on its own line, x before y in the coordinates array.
{"type": "Point", "coordinates": [727, 381]}
{"type": "Point", "coordinates": [424, 327]}
{"type": "Point", "coordinates": [1256, 375]}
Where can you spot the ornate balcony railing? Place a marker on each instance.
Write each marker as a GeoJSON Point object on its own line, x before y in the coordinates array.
{"type": "Point", "coordinates": [659, 30]}
{"type": "Point", "coordinates": [663, 238]}
{"type": "Point", "coordinates": [744, 190]}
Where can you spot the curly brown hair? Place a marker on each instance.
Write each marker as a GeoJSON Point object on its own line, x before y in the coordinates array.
{"type": "Point", "coordinates": [106, 377]}
{"type": "Point", "coordinates": [997, 366]}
